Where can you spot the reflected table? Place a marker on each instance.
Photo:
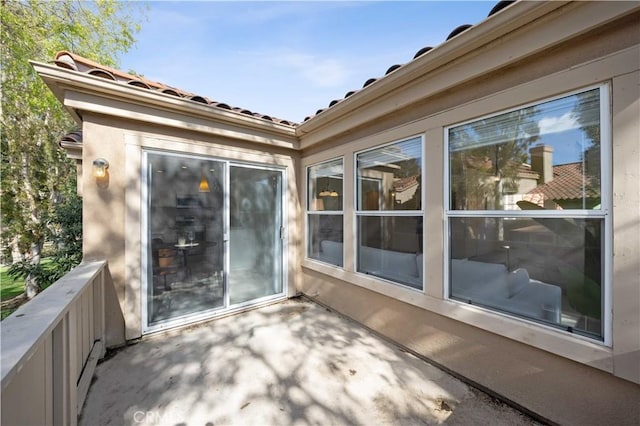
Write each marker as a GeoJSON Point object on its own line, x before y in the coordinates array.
{"type": "Point", "coordinates": [184, 249]}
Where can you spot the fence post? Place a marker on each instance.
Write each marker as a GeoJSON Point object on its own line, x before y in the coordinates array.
{"type": "Point", "coordinates": [60, 366]}
{"type": "Point", "coordinates": [72, 349]}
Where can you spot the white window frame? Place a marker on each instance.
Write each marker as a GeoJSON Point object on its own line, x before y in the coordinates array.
{"type": "Point", "coordinates": [388, 213]}
{"type": "Point", "coordinates": [603, 213]}
{"type": "Point", "coordinates": [308, 211]}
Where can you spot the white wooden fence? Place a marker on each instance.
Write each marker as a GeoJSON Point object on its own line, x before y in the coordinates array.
{"type": "Point", "coordinates": [50, 347]}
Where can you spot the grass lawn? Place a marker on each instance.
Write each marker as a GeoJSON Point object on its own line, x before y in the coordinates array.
{"type": "Point", "coordinates": [10, 288]}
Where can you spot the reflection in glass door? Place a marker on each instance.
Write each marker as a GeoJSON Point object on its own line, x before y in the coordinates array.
{"type": "Point", "coordinates": [185, 230]}
{"type": "Point", "coordinates": [213, 237]}
{"type": "Point", "coordinates": [255, 238]}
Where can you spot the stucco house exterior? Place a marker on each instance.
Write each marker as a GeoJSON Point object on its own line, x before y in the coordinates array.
{"type": "Point", "coordinates": [427, 205]}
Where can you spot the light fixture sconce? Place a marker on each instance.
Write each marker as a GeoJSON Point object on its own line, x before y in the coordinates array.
{"type": "Point", "coordinates": [204, 184]}
{"type": "Point", "coordinates": [100, 166]}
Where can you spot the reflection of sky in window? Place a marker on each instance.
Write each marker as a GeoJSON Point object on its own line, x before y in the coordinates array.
{"type": "Point", "coordinates": [567, 145]}
{"type": "Point", "coordinates": [558, 124]}
{"type": "Point", "coordinates": [391, 154]}
{"type": "Point", "coordinates": [560, 129]}
{"type": "Point", "coordinates": [329, 169]}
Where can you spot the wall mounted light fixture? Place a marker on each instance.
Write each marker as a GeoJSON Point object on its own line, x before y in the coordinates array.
{"type": "Point", "coordinates": [100, 166]}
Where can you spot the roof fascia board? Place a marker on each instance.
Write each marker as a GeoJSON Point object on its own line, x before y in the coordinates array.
{"type": "Point", "coordinates": [432, 68]}
{"type": "Point", "coordinates": [46, 73]}
{"type": "Point", "coordinates": [61, 80]}
{"type": "Point", "coordinates": [123, 109]}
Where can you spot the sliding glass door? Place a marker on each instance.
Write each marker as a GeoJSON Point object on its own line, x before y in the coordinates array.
{"type": "Point", "coordinates": [255, 239]}
{"type": "Point", "coordinates": [212, 237]}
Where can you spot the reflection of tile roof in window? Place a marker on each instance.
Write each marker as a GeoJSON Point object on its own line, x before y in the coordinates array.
{"type": "Point", "coordinates": [568, 184]}
{"type": "Point", "coordinates": [524, 171]}
{"type": "Point", "coordinates": [403, 184]}
{"type": "Point", "coordinates": [78, 63]}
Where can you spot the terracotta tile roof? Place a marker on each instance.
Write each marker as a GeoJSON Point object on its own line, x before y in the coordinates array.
{"type": "Point", "coordinates": [71, 61]}
{"type": "Point", "coordinates": [568, 183]}
{"type": "Point", "coordinates": [72, 143]}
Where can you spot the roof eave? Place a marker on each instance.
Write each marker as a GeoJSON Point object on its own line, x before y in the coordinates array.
{"type": "Point", "coordinates": [63, 81]}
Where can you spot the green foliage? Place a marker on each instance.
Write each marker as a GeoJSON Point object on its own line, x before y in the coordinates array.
{"type": "Point", "coordinates": [64, 229]}
{"type": "Point", "coordinates": [34, 170]}
{"type": "Point", "coordinates": [43, 274]}
{"type": "Point", "coordinates": [66, 233]}
{"type": "Point", "coordinates": [9, 286]}
{"type": "Point", "coordinates": [583, 293]}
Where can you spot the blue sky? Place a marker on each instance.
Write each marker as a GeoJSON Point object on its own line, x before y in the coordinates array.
{"type": "Point", "coordinates": [287, 59]}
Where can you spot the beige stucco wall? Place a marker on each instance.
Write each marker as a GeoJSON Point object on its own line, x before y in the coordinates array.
{"type": "Point", "coordinates": [567, 379]}
{"type": "Point", "coordinates": [626, 226]}
{"type": "Point", "coordinates": [103, 212]}
{"type": "Point", "coordinates": [112, 209]}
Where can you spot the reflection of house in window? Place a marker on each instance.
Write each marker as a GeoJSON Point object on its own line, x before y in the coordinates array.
{"type": "Point", "coordinates": [537, 185]}
{"type": "Point", "coordinates": [562, 186]}
{"type": "Point", "coordinates": [372, 190]}
{"type": "Point", "coordinates": [527, 179]}
{"type": "Point", "coordinates": [404, 189]}
{"type": "Point", "coordinates": [569, 188]}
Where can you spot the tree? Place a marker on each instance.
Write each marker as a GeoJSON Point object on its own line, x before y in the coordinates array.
{"type": "Point", "coordinates": [34, 170]}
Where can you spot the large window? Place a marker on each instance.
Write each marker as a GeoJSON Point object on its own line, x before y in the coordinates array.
{"type": "Point", "coordinates": [324, 212]}
{"type": "Point", "coordinates": [389, 212]}
{"type": "Point", "coordinates": [526, 218]}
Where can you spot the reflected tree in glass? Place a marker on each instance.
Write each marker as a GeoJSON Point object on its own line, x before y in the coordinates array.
{"type": "Point", "coordinates": [587, 112]}
{"type": "Point", "coordinates": [485, 157]}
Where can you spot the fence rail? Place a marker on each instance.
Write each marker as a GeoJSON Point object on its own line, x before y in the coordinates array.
{"type": "Point", "coordinates": [50, 347]}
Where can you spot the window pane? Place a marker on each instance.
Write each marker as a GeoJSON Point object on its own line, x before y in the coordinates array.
{"type": "Point", "coordinates": [391, 248]}
{"type": "Point", "coordinates": [185, 256]}
{"type": "Point", "coordinates": [542, 157]}
{"type": "Point", "coordinates": [389, 178]}
{"type": "Point", "coordinates": [325, 186]}
{"type": "Point", "coordinates": [548, 270]}
{"type": "Point", "coordinates": [255, 239]}
{"type": "Point", "coordinates": [325, 238]}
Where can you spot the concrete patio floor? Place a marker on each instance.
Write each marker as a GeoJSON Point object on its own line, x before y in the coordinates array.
{"type": "Point", "coordinates": [292, 363]}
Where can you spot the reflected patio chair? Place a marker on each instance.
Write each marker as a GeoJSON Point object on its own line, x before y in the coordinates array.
{"type": "Point", "coordinates": [164, 262]}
